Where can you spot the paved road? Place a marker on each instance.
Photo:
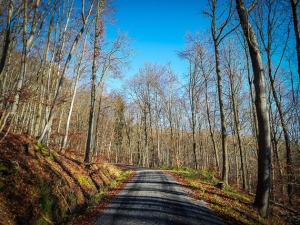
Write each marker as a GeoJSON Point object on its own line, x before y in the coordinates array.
{"type": "Point", "coordinates": [153, 197]}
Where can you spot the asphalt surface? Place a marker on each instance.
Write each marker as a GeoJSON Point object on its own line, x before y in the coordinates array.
{"type": "Point", "coordinates": [154, 197]}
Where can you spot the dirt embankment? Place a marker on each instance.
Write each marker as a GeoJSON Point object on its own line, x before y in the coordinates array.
{"type": "Point", "coordinates": [40, 186]}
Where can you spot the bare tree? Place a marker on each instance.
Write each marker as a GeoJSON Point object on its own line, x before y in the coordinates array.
{"type": "Point", "coordinates": [264, 157]}
{"type": "Point", "coordinates": [231, 67]}
{"type": "Point", "coordinates": [63, 75]}
{"type": "Point", "coordinates": [218, 34]}
{"type": "Point", "coordinates": [78, 72]}
{"type": "Point", "coordinates": [97, 37]}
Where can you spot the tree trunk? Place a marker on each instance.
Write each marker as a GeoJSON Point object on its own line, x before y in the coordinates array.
{"type": "Point", "coordinates": [7, 40]}
{"type": "Point", "coordinates": [98, 32]}
{"type": "Point", "coordinates": [237, 126]}
{"type": "Point", "coordinates": [216, 41]}
{"type": "Point", "coordinates": [262, 196]}
{"type": "Point", "coordinates": [294, 4]}
{"type": "Point", "coordinates": [78, 75]}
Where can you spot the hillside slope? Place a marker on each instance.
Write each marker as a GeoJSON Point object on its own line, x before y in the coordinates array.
{"type": "Point", "coordinates": [39, 186]}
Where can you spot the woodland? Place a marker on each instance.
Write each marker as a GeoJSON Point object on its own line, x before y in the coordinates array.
{"type": "Point", "coordinates": [235, 111]}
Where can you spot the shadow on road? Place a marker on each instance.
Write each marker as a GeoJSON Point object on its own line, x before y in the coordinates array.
{"type": "Point", "coordinates": [154, 197]}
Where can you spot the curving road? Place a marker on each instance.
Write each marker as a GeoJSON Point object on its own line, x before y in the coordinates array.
{"type": "Point", "coordinates": [153, 197]}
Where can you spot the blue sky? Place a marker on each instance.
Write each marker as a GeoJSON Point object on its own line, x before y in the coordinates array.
{"type": "Point", "coordinates": [158, 28]}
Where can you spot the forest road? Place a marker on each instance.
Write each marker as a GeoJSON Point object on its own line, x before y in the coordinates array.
{"type": "Point", "coordinates": [154, 197]}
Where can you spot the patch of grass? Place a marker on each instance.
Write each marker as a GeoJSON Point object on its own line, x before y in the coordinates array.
{"type": "Point", "coordinates": [166, 167]}
{"type": "Point", "coordinates": [122, 177]}
{"type": "Point", "coordinates": [234, 193]}
{"type": "Point", "coordinates": [197, 174]}
{"type": "Point", "coordinates": [217, 199]}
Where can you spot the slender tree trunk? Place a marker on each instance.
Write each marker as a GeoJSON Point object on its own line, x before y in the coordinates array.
{"type": "Point", "coordinates": [289, 162]}
{"type": "Point", "coordinates": [294, 4]}
{"type": "Point", "coordinates": [78, 75]}
{"type": "Point", "coordinates": [237, 126]}
{"type": "Point", "coordinates": [216, 41]}
{"type": "Point", "coordinates": [223, 120]}
{"type": "Point", "coordinates": [211, 130]}
{"type": "Point", "coordinates": [262, 196]}
{"type": "Point", "coordinates": [98, 33]}
{"type": "Point", "coordinates": [192, 99]}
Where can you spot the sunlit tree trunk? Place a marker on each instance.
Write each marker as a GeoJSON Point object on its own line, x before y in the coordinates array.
{"type": "Point", "coordinates": [78, 75]}
{"type": "Point", "coordinates": [98, 33]}
{"type": "Point", "coordinates": [262, 196]}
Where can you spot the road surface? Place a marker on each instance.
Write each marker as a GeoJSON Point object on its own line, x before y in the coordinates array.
{"type": "Point", "coordinates": [153, 197]}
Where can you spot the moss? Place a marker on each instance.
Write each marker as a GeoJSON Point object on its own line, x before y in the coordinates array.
{"type": "Point", "coordinates": [52, 157]}
{"type": "Point", "coordinates": [4, 169]}
{"type": "Point", "coordinates": [42, 149]}
{"type": "Point", "coordinates": [48, 204]}
{"type": "Point", "coordinates": [2, 182]}
{"type": "Point", "coordinates": [13, 171]}
{"type": "Point", "coordinates": [83, 180]}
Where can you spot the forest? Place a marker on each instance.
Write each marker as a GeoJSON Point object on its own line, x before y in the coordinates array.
{"type": "Point", "coordinates": [235, 111]}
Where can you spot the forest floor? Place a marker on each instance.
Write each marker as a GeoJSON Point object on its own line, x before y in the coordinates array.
{"type": "Point", "coordinates": [40, 186]}
{"type": "Point", "coordinates": [233, 205]}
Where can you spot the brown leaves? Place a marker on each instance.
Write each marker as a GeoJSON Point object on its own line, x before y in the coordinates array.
{"type": "Point", "coordinates": [233, 206]}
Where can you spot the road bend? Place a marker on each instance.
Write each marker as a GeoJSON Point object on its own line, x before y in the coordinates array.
{"type": "Point", "coordinates": [154, 197]}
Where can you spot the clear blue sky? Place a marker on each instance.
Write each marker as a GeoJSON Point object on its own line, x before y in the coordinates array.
{"type": "Point", "coordinates": [158, 28]}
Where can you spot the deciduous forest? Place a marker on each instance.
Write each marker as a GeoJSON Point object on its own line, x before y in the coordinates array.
{"type": "Point", "coordinates": [234, 112]}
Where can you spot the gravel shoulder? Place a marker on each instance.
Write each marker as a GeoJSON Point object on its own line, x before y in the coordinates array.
{"type": "Point", "coordinates": [155, 197]}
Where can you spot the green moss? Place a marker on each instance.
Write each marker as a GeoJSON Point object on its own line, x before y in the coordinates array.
{"type": "Point", "coordinates": [4, 169]}
{"type": "Point", "coordinates": [48, 204]}
{"type": "Point", "coordinates": [2, 182]}
{"type": "Point", "coordinates": [83, 180]}
{"type": "Point", "coordinates": [42, 149]}
{"type": "Point", "coordinates": [52, 157]}
{"type": "Point", "coordinates": [202, 190]}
